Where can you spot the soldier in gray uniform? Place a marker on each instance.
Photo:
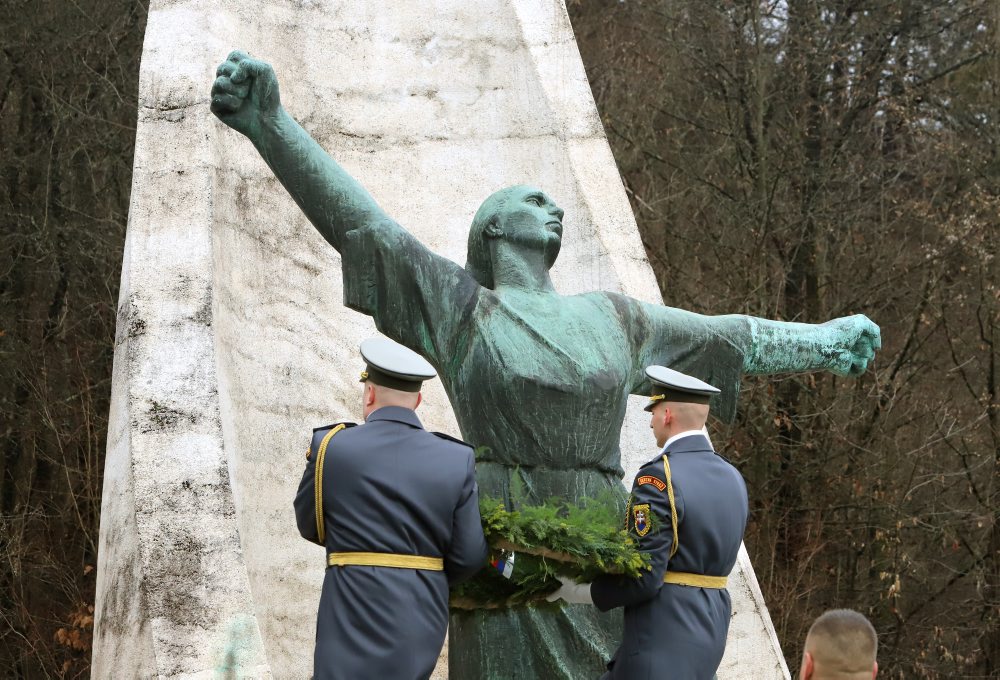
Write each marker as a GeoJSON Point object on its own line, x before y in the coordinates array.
{"type": "Point", "coordinates": [687, 510]}
{"type": "Point", "coordinates": [397, 509]}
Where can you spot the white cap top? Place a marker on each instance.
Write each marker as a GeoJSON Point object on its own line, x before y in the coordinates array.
{"type": "Point", "coordinates": [681, 382]}
{"type": "Point", "coordinates": [395, 360]}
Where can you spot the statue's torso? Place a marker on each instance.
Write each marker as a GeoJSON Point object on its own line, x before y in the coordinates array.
{"type": "Point", "coordinates": [544, 380]}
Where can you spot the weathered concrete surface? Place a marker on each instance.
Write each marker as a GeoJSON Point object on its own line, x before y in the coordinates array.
{"type": "Point", "coordinates": [232, 339]}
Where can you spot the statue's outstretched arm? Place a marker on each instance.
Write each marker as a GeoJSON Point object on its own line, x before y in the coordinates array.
{"type": "Point", "coordinates": [245, 97]}
{"type": "Point", "coordinates": [416, 297]}
{"type": "Point", "coordinates": [758, 346]}
{"type": "Point", "coordinates": [843, 346]}
{"type": "Point", "coordinates": [721, 349]}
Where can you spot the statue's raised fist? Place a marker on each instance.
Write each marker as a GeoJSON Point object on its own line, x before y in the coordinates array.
{"type": "Point", "coordinates": [855, 341]}
{"type": "Point", "coordinates": [245, 93]}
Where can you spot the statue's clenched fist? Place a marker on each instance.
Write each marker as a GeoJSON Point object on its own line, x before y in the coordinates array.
{"type": "Point", "coordinates": [855, 341]}
{"type": "Point", "coordinates": [245, 93]}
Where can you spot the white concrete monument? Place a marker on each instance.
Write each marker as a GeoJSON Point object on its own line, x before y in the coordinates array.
{"type": "Point", "coordinates": [232, 338]}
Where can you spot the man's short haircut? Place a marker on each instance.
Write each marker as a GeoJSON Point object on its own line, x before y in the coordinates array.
{"type": "Point", "coordinates": [843, 640]}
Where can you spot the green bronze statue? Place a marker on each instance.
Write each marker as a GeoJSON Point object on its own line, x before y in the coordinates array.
{"type": "Point", "coordinates": [539, 378]}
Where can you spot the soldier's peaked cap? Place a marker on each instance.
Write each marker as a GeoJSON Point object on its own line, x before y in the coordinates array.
{"type": "Point", "coordinates": [671, 385]}
{"type": "Point", "coordinates": [389, 364]}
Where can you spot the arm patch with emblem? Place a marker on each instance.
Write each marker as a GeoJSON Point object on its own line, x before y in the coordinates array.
{"type": "Point", "coordinates": [642, 518]}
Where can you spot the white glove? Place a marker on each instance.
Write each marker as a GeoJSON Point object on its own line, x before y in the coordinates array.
{"type": "Point", "coordinates": [572, 592]}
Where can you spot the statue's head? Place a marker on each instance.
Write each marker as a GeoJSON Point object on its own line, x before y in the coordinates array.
{"type": "Point", "coordinates": [521, 215]}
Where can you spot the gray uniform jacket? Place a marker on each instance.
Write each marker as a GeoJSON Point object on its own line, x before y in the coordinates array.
{"type": "Point", "coordinates": [389, 486]}
{"type": "Point", "coordinates": [677, 632]}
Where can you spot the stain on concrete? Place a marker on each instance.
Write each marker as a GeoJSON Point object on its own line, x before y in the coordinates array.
{"type": "Point", "coordinates": [160, 417]}
{"type": "Point", "coordinates": [129, 324]}
{"type": "Point", "coordinates": [238, 649]}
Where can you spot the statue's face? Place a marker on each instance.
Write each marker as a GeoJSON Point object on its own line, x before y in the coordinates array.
{"type": "Point", "coordinates": [529, 217]}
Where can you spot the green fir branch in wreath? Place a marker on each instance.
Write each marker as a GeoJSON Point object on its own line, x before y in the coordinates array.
{"type": "Point", "coordinates": [552, 539]}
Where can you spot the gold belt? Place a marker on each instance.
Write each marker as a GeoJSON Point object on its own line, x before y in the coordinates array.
{"type": "Point", "coordinates": [367, 559]}
{"type": "Point", "coordinates": [681, 578]}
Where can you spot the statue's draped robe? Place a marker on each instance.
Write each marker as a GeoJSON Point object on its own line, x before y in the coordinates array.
{"type": "Point", "coordinates": [543, 381]}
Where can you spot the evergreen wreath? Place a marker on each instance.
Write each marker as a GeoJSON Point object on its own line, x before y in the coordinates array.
{"type": "Point", "coordinates": [553, 539]}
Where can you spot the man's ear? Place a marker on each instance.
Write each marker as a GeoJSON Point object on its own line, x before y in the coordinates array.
{"type": "Point", "coordinates": [874, 670]}
{"type": "Point", "coordinates": [806, 672]}
{"type": "Point", "coordinates": [420, 398]}
{"type": "Point", "coordinates": [369, 394]}
{"type": "Point", "coordinates": [668, 415]}
{"type": "Point", "coordinates": [493, 229]}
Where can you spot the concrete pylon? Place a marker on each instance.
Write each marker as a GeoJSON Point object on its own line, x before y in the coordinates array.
{"type": "Point", "coordinates": [233, 341]}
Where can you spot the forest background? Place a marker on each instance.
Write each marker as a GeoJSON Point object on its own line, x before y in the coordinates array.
{"type": "Point", "coordinates": [793, 159]}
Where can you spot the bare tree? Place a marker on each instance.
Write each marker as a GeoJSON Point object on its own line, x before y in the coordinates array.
{"type": "Point", "coordinates": [68, 89]}
{"type": "Point", "coordinates": [810, 158]}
